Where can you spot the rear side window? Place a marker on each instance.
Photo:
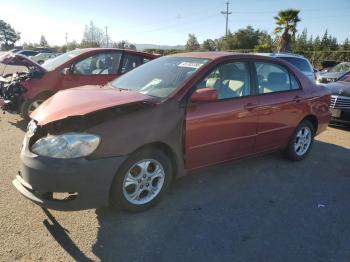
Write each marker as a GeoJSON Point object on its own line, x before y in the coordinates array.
{"type": "Point", "coordinates": [302, 64]}
{"type": "Point", "coordinates": [130, 61]}
{"type": "Point", "coordinates": [145, 60]}
{"type": "Point", "coordinates": [294, 84]}
{"type": "Point", "coordinates": [274, 78]}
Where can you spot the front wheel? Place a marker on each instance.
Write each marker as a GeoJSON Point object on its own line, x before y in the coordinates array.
{"type": "Point", "coordinates": [141, 181]}
{"type": "Point", "coordinates": [30, 105]}
{"type": "Point", "coordinates": [300, 144]}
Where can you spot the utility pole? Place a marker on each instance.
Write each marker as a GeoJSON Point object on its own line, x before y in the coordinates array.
{"type": "Point", "coordinates": [66, 39]}
{"type": "Point", "coordinates": [226, 13]}
{"type": "Point", "coordinates": [106, 35]}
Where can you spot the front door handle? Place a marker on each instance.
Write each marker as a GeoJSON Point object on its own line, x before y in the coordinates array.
{"type": "Point", "coordinates": [250, 106]}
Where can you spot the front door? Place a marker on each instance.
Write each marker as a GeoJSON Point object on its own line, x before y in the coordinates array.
{"type": "Point", "coordinates": [225, 129]}
{"type": "Point", "coordinates": [97, 69]}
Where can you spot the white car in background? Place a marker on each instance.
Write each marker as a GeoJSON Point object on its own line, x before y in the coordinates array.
{"type": "Point", "coordinates": [42, 57]}
{"type": "Point", "coordinates": [299, 61]}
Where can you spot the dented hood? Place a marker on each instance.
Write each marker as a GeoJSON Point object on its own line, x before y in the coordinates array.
{"type": "Point", "coordinates": [19, 60]}
{"type": "Point", "coordinates": [83, 100]}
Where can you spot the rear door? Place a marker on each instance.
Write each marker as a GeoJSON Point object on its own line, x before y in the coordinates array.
{"type": "Point", "coordinates": [225, 129]}
{"type": "Point", "coordinates": [96, 69]}
{"type": "Point", "coordinates": [281, 104]}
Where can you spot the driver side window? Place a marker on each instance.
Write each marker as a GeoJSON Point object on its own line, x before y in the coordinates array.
{"type": "Point", "coordinates": [230, 80]}
{"type": "Point", "coordinates": [100, 64]}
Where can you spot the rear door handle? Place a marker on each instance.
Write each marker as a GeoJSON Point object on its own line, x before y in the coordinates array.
{"type": "Point", "coordinates": [297, 98]}
{"type": "Point", "coordinates": [250, 106]}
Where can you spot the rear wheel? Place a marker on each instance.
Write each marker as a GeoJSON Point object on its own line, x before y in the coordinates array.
{"type": "Point", "coordinates": [141, 181]}
{"type": "Point", "coordinates": [301, 142]}
{"type": "Point", "coordinates": [30, 105]}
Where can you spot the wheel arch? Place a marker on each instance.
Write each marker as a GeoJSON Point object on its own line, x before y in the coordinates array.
{"type": "Point", "coordinates": [46, 93]}
{"type": "Point", "coordinates": [314, 121]}
{"type": "Point", "coordinates": [167, 150]}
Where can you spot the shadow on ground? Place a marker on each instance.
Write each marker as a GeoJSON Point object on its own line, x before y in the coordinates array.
{"type": "Point", "coordinates": [21, 124]}
{"type": "Point", "coordinates": [61, 235]}
{"type": "Point", "coordinates": [340, 126]}
{"type": "Point", "coordinates": [260, 209]}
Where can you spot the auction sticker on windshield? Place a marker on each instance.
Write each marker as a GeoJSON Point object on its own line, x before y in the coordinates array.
{"type": "Point", "coordinates": [190, 65]}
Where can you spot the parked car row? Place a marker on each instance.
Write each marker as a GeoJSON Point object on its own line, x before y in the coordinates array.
{"type": "Point", "coordinates": [340, 100]}
{"type": "Point", "coordinates": [332, 74]}
{"type": "Point", "coordinates": [122, 142]}
{"type": "Point", "coordinates": [96, 66]}
{"type": "Point", "coordinates": [42, 57]}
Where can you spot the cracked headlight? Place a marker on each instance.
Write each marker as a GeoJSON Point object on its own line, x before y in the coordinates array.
{"type": "Point", "coordinates": [68, 145]}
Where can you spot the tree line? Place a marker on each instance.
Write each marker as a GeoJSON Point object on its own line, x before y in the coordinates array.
{"type": "Point", "coordinates": [93, 36]}
{"type": "Point", "coordinates": [285, 39]}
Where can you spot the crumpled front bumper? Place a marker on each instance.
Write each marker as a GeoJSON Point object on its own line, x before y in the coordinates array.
{"type": "Point", "coordinates": [90, 180]}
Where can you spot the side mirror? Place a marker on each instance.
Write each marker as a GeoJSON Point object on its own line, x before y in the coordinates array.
{"type": "Point", "coordinates": [205, 95]}
{"type": "Point", "coordinates": [66, 71]}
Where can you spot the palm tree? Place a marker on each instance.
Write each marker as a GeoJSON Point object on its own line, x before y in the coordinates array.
{"type": "Point", "coordinates": [287, 23]}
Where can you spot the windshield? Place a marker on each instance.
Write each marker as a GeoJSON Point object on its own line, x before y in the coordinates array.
{"type": "Point", "coordinates": [161, 76]}
{"type": "Point", "coordinates": [342, 67]}
{"type": "Point", "coordinates": [52, 64]}
{"type": "Point", "coordinates": [301, 64]}
{"type": "Point", "coordinates": [345, 78]}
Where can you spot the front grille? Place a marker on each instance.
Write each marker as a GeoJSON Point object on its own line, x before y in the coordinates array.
{"type": "Point", "coordinates": [341, 102]}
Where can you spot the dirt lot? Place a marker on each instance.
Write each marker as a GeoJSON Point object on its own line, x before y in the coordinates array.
{"type": "Point", "coordinates": [260, 209]}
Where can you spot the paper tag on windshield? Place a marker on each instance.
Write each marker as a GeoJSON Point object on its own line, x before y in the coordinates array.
{"type": "Point", "coordinates": [190, 65]}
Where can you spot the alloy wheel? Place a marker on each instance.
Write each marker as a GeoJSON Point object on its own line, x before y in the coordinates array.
{"type": "Point", "coordinates": [302, 141]}
{"type": "Point", "coordinates": [143, 181]}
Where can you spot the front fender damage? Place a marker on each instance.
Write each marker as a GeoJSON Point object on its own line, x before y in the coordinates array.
{"type": "Point", "coordinates": [126, 128]}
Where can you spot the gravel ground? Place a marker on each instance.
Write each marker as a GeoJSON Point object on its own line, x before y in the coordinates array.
{"type": "Point", "coordinates": [260, 209]}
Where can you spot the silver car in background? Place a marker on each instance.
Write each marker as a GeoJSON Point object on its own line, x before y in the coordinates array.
{"type": "Point", "coordinates": [333, 73]}
{"type": "Point", "coordinates": [42, 57]}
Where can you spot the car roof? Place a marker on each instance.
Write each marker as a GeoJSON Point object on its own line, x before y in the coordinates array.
{"type": "Point", "coordinates": [213, 55]}
{"type": "Point", "coordinates": [87, 50]}
{"type": "Point", "coordinates": [282, 55]}
{"type": "Point", "coordinates": [206, 55]}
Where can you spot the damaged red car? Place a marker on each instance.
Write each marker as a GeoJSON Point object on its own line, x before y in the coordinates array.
{"type": "Point", "coordinates": [123, 143]}
{"type": "Point", "coordinates": [23, 92]}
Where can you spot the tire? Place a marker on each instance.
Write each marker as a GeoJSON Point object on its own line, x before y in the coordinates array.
{"type": "Point", "coordinates": [132, 186]}
{"type": "Point", "coordinates": [27, 106]}
{"type": "Point", "coordinates": [300, 144]}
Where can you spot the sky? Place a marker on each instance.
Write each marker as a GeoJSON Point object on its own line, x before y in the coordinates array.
{"type": "Point", "coordinates": [165, 22]}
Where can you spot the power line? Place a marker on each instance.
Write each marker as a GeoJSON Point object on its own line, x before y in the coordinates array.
{"type": "Point", "coordinates": [226, 13]}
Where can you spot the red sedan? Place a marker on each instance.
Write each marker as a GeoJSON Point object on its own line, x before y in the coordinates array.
{"type": "Point", "coordinates": [125, 142]}
{"type": "Point", "coordinates": [93, 66]}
